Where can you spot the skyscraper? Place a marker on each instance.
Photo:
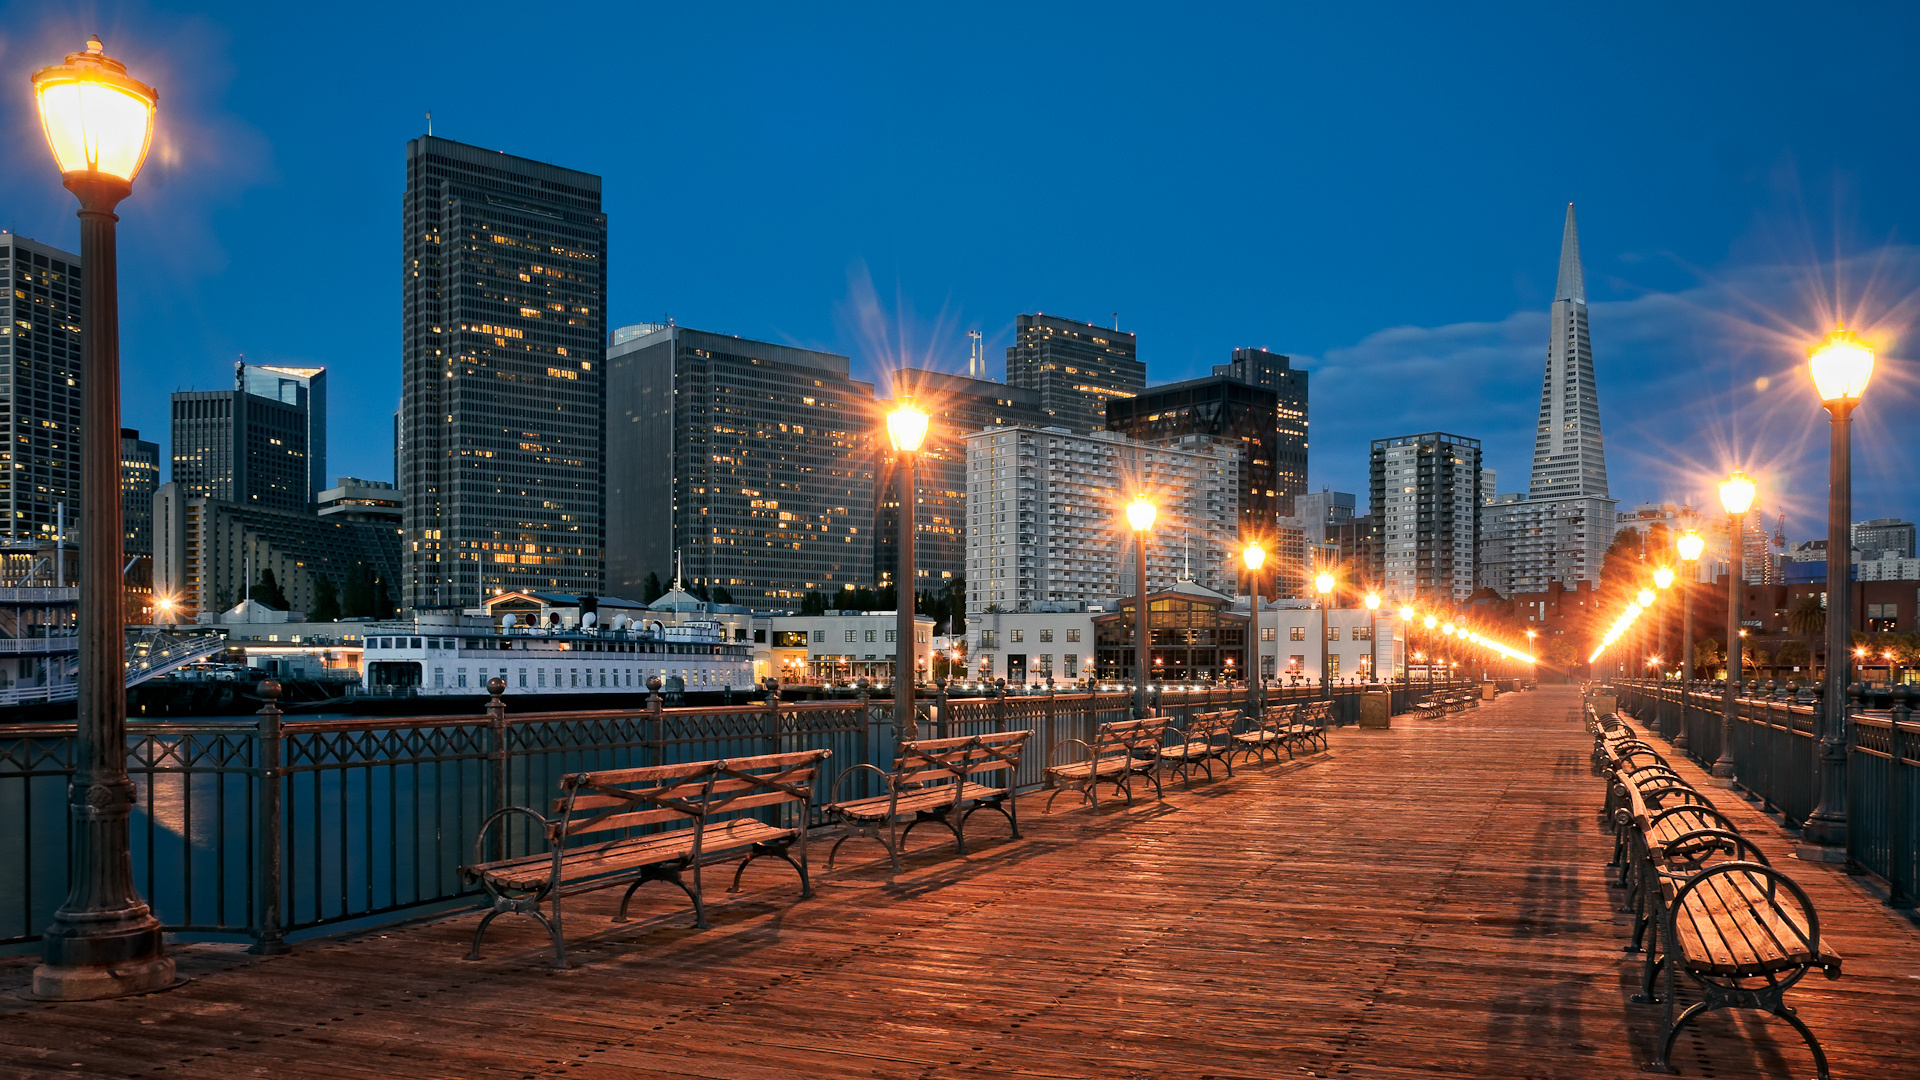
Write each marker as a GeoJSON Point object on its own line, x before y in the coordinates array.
{"type": "Point", "coordinates": [1426, 500]}
{"type": "Point", "coordinates": [752, 461]}
{"type": "Point", "coordinates": [958, 406]}
{"type": "Point", "coordinates": [504, 280]}
{"type": "Point", "coordinates": [39, 387]}
{"type": "Point", "coordinates": [1075, 367]}
{"type": "Point", "coordinates": [1561, 529]}
{"type": "Point", "coordinates": [139, 479]}
{"type": "Point", "coordinates": [241, 448]}
{"type": "Point", "coordinates": [1223, 410]}
{"type": "Point", "coordinates": [1275, 372]}
{"type": "Point", "coordinates": [304, 388]}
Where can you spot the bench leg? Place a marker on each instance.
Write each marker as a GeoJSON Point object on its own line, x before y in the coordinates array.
{"type": "Point", "coordinates": [778, 851]}
{"type": "Point", "coordinates": [871, 832]}
{"type": "Point", "coordinates": [1813, 1044]}
{"type": "Point", "coordinates": [941, 819]}
{"type": "Point", "coordinates": [1000, 804]}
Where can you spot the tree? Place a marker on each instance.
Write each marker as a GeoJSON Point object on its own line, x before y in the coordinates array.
{"type": "Point", "coordinates": [1794, 654]}
{"type": "Point", "coordinates": [326, 601]}
{"type": "Point", "coordinates": [1709, 653]}
{"type": "Point", "coordinates": [651, 589]}
{"type": "Point", "coordinates": [813, 603]}
{"type": "Point", "coordinates": [267, 591]}
{"type": "Point", "coordinates": [1808, 616]}
{"type": "Point", "coordinates": [721, 595]}
{"type": "Point", "coordinates": [365, 596]}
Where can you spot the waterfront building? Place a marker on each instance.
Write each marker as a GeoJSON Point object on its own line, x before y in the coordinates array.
{"type": "Point", "coordinates": [957, 406]}
{"type": "Point", "coordinates": [1425, 492]}
{"type": "Point", "coordinates": [1045, 525]}
{"type": "Point", "coordinates": [39, 388]}
{"type": "Point", "coordinates": [752, 463]}
{"type": "Point", "coordinates": [841, 646]}
{"type": "Point", "coordinates": [305, 388]}
{"type": "Point", "coordinates": [1225, 411]}
{"type": "Point", "coordinates": [209, 552]}
{"type": "Point", "coordinates": [1561, 530]}
{"type": "Point", "coordinates": [1076, 368]}
{"type": "Point", "coordinates": [139, 479]}
{"type": "Point", "coordinates": [502, 413]}
{"type": "Point", "coordinates": [1275, 372]}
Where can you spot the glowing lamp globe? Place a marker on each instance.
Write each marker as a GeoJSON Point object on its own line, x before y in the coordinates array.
{"type": "Point", "coordinates": [1840, 365]}
{"type": "Point", "coordinates": [1373, 601]}
{"type": "Point", "coordinates": [907, 428]}
{"type": "Point", "coordinates": [98, 121]}
{"type": "Point", "coordinates": [1406, 614]}
{"type": "Point", "coordinates": [1663, 577]}
{"type": "Point", "coordinates": [1736, 493]}
{"type": "Point", "coordinates": [1691, 544]}
{"type": "Point", "coordinates": [1140, 514]}
{"type": "Point", "coordinates": [1323, 581]}
{"type": "Point", "coordinates": [1431, 622]}
{"type": "Point", "coordinates": [1645, 597]}
{"type": "Point", "coordinates": [1447, 629]}
{"type": "Point", "coordinates": [1255, 556]}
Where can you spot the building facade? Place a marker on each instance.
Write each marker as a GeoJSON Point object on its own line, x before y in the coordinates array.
{"type": "Point", "coordinates": [238, 447]}
{"type": "Point", "coordinates": [502, 414]}
{"type": "Point", "coordinates": [1075, 368]}
{"type": "Point", "coordinates": [957, 406]}
{"type": "Point", "coordinates": [750, 461]}
{"type": "Point", "coordinates": [139, 479]}
{"type": "Point", "coordinates": [1045, 520]}
{"type": "Point", "coordinates": [354, 499]}
{"type": "Point", "coordinates": [1275, 372]}
{"type": "Point", "coordinates": [209, 552]}
{"type": "Point", "coordinates": [1880, 538]}
{"type": "Point", "coordinates": [305, 388]}
{"type": "Point", "coordinates": [39, 388]}
{"type": "Point", "coordinates": [1223, 410]}
{"type": "Point", "coordinates": [1425, 493]}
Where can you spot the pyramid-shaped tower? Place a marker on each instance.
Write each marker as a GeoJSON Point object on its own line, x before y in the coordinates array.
{"type": "Point", "coordinates": [1568, 457]}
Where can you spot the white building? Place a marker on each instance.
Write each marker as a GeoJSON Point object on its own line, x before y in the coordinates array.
{"type": "Point", "coordinates": [1426, 499]}
{"type": "Point", "coordinates": [1046, 525]}
{"type": "Point", "coordinates": [838, 647]}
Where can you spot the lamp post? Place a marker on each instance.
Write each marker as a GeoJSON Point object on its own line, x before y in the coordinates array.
{"type": "Point", "coordinates": [1736, 495]}
{"type": "Point", "coordinates": [1690, 546]}
{"type": "Point", "coordinates": [1840, 366]}
{"type": "Point", "coordinates": [1323, 584]}
{"type": "Point", "coordinates": [1427, 648]}
{"type": "Point", "coordinates": [1140, 515]}
{"type": "Point", "coordinates": [1255, 557]}
{"type": "Point", "coordinates": [906, 429]}
{"type": "Point", "coordinates": [1373, 637]}
{"type": "Point", "coordinates": [104, 940]}
{"type": "Point", "coordinates": [1406, 654]}
{"type": "Point", "coordinates": [1645, 599]}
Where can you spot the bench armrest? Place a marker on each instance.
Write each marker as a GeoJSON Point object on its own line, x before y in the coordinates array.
{"type": "Point", "coordinates": [480, 838]}
{"type": "Point", "coordinates": [887, 779]}
{"type": "Point", "coordinates": [1774, 877]}
{"type": "Point", "coordinates": [1052, 754]}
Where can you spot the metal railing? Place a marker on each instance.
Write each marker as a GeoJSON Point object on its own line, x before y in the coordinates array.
{"type": "Point", "coordinates": [1774, 742]}
{"type": "Point", "coordinates": [267, 828]}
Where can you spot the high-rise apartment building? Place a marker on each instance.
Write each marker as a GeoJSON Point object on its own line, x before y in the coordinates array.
{"type": "Point", "coordinates": [750, 461]}
{"type": "Point", "coordinates": [139, 479]}
{"type": "Point", "coordinates": [1226, 411]}
{"type": "Point", "coordinates": [305, 388]}
{"type": "Point", "coordinates": [957, 406]}
{"type": "Point", "coordinates": [241, 448]}
{"type": "Point", "coordinates": [1045, 524]}
{"type": "Point", "coordinates": [1884, 538]}
{"type": "Point", "coordinates": [1275, 372]}
{"type": "Point", "coordinates": [1075, 367]}
{"type": "Point", "coordinates": [502, 414]}
{"type": "Point", "coordinates": [39, 387]}
{"type": "Point", "coordinates": [1426, 499]}
{"type": "Point", "coordinates": [1561, 529]}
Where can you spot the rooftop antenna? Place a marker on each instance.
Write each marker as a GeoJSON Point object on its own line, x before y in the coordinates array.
{"type": "Point", "coordinates": [676, 569]}
{"type": "Point", "coordinates": [1116, 320]}
{"type": "Point", "coordinates": [976, 359]}
{"type": "Point", "coordinates": [429, 123]}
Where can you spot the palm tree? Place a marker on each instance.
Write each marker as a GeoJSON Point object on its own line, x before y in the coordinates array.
{"type": "Point", "coordinates": [1808, 617]}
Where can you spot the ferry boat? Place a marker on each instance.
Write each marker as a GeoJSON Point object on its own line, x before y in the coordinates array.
{"type": "Point", "coordinates": [449, 658]}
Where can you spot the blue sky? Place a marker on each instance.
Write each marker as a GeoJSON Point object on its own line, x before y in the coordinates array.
{"type": "Point", "coordinates": [1376, 190]}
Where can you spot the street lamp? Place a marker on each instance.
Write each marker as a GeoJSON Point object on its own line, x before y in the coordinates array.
{"type": "Point", "coordinates": [1427, 650]}
{"type": "Point", "coordinates": [1840, 366]}
{"type": "Point", "coordinates": [1663, 580]}
{"type": "Point", "coordinates": [906, 429]}
{"type": "Point", "coordinates": [104, 941]}
{"type": "Point", "coordinates": [1690, 546]}
{"type": "Point", "coordinates": [1645, 599]}
{"type": "Point", "coordinates": [1406, 654]}
{"type": "Point", "coordinates": [1255, 557]}
{"type": "Point", "coordinates": [1373, 646]}
{"type": "Point", "coordinates": [1140, 515]}
{"type": "Point", "coordinates": [1323, 584]}
{"type": "Point", "coordinates": [1736, 495]}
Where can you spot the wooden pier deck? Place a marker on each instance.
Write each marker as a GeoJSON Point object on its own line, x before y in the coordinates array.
{"type": "Point", "coordinates": [1425, 901]}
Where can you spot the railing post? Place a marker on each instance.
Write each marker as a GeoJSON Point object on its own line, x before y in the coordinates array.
{"type": "Point", "coordinates": [266, 938]}
{"type": "Point", "coordinates": [940, 709]}
{"type": "Point", "coordinates": [497, 756]}
{"type": "Point", "coordinates": [999, 706]}
{"type": "Point", "coordinates": [656, 723]}
{"type": "Point", "coordinates": [1899, 836]}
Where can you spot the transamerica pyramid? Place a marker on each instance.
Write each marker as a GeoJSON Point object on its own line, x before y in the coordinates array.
{"type": "Point", "coordinates": [1568, 458]}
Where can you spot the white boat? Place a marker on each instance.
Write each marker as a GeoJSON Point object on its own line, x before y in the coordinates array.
{"type": "Point", "coordinates": [447, 659]}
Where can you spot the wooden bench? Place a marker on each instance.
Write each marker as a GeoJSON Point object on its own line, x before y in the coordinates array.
{"type": "Point", "coordinates": [1745, 933]}
{"type": "Point", "coordinates": [1310, 726]}
{"type": "Point", "coordinates": [632, 826]}
{"type": "Point", "coordinates": [934, 780]}
{"type": "Point", "coordinates": [1208, 738]}
{"type": "Point", "coordinates": [1266, 731]}
{"type": "Point", "coordinates": [1119, 752]}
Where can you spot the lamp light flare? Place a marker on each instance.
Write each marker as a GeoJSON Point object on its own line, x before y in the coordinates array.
{"type": "Point", "coordinates": [1645, 597]}
{"type": "Point", "coordinates": [1840, 365]}
{"type": "Point", "coordinates": [1406, 614]}
{"type": "Point", "coordinates": [1432, 622]}
{"type": "Point", "coordinates": [1140, 513]}
{"type": "Point", "coordinates": [1373, 601]}
{"type": "Point", "coordinates": [98, 120]}
{"type": "Point", "coordinates": [1663, 577]}
{"type": "Point", "coordinates": [1691, 544]}
{"type": "Point", "coordinates": [1255, 556]}
{"type": "Point", "coordinates": [1323, 581]}
{"type": "Point", "coordinates": [907, 427]}
{"type": "Point", "coordinates": [1736, 492]}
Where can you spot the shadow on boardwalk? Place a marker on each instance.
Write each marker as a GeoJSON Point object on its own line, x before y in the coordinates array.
{"type": "Point", "coordinates": [1429, 900]}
